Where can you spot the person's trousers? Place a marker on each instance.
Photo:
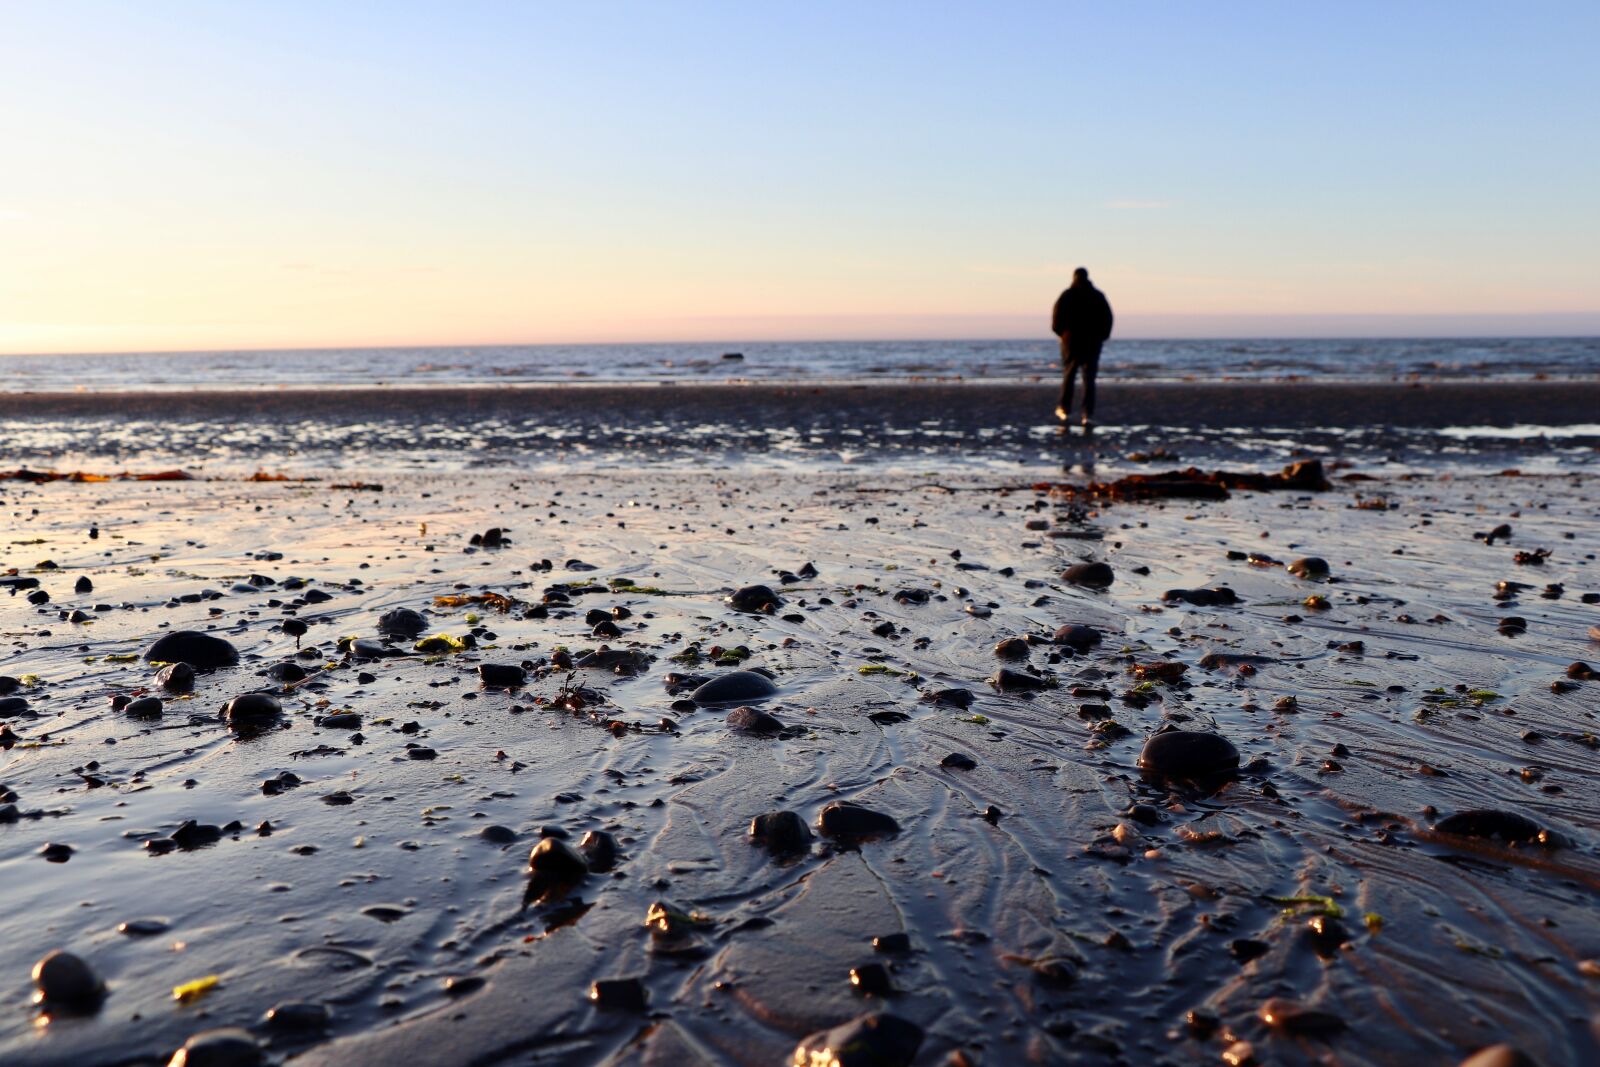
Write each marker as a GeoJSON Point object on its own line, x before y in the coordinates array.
{"type": "Point", "coordinates": [1084, 356]}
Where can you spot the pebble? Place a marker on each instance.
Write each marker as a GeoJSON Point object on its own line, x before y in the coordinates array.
{"type": "Point", "coordinates": [1308, 567]}
{"type": "Point", "coordinates": [401, 622]}
{"type": "Point", "coordinates": [1293, 1017]}
{"type": "Point", "coordinates": [599, 850]}
{"type": "Point", "coordinates": [756, 599]}
{"type": "Point", "coordinates": [142, 927]}
{"type": "Point", "coordinates": [878, 1039]}
{"type": "Point", "coordinates": [227, 1046]}
{"type": "Point", "coordinates": [843, 819]}
{"type": "Point", "coordinates": [1493, 825]}
{"type": "Point", "coordinates": [501, 675]}
{"type": "Point", "coordinates": [1012, 648]}
{"type": "Point", "coordinates": [1007, 680]}
{"type": "Point", "coordinates": [199, 650]}
{"type": "Point", "coordinates": [958, 761]}
{"type": "Point", "coordinates": [10, 706]}
{"type": "Point", "coordinates": [783, 833]}
{"type": "Point", "coordinates": [297, 1015]}
{"type": "Point", "coordinates": [1092, 575]}
{"type": "Point", "coordinates": [558, 859]}
{"type": "Point", "coordinates": [248, 709]}
{"type": "Point", "coordinates": [1217, 596]}
{"type": "Point", "coordinates": [733, 687]}
{"type": "Point", "coordinates": [66, 981]}
{"type": "Point", "coordinates": [754, 721]}
{"type": "Point", "coordinates": [176, 678]}
{"type": "Point", "coordinates": [496, 834]}
{"type": "Point", "coordinates": [618, 994]}
{"type": "Point", "coordinates": [955, 698]}
{"type": "Point", "coordinates": [1077, 636]}
{"type": "Point", "coordinates": [1188, 756]}
{"type": "Point", "coordinates": [871, 979]}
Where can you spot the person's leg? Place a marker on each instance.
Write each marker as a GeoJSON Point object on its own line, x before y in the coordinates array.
{"type": "Point", "coordinates": [1090, 369]}
{"type": "Point", "coordinates": [1068, 374]}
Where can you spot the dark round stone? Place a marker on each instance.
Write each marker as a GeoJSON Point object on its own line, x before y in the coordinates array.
{"type": "Point", "coordinates": [501, 675]}
{"type": "Point", "coordinates": [599, 850]}
{"type": "Point", "coordinates": [496, 834]}
{"type": "Point", "coordinates": [297, 1015]}
{"type": "Point", "coordinates": [780, 832]}
{"type": "Point", "coordinates": [878, 1039]}
{"type": "Point", "coordinates": [401, 622]}
{"type": "Point", "coordinates": [871, 979]}
{"type": "Point", "coordinates": [1012, 648]}
{"type": "Point", "coordinates": [618, 994]}
{"type": "Point", "coordinates": [1203, 598]}
{"type": "Point", "coordinates": [1090, 575]}
{"type": "Point", "coordinates": [1196, 756]}
{"type": "Point", "coordinates": [227, 1046]}
{"type": "Point", "coordinates": [200, 651]}
{"type": "Point", "coordinates": [286, 672]}
{"type": "Point", "coordinates": [1308, 567]}
{"type": "Point", "coordinates": [65, 981]}
{"type": "Point", "coordinates": [958, 761]}
{"type": "Point", "coordinates": [251, 708]}
{"type": "Point", "coordinates": [558, 859]}
{"type": "Point", "coordinates": [754, 721]}
{"type": "Point", "coordinates": [1077, 636]}
{"type": "Point", "coordinates": [1491, 824]}
{"type": "Point", "coordinates": [176, 678]}
{"type": "Point", "coordinates": [757, 599]}
{"type": "Point", "coordinates": [844, 819]}
{"type": "Point", "coordinates": [1007, 680]}
{"type": "Point", "coordinates": [734, 687]}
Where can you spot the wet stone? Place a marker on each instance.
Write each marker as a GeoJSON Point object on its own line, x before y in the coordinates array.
{"type": "Point", "coordinates": [1007, 680]}
{"type": "Point", "coordinates": [599, 850]}
{"type": "Point", "coordinates": [402, 622]}
{"type": "Point", "coordinates": [297, 1015]}
{"type": "Point", "coordinates": [252, 709]}
{"type": "Point", "coordinates": [1188, 756]}
{"type": "Point", "coordinates": [871, 979]}
{"type": "Point", "coordinates": [1493, 825]}
{"type": "Point", "coordinates": [176, 678]}
{"type": "Point", "coordinates": [1091, 575]}
{"type": "Point", "coordinates": [782, 833]}
{"type": "Point", "coordinates": [958, 761]}
{"type": "Point", "coordinates": [1293, 1017]}
{"type": "Point", "coordinates": [733, 687]}
{"type": "Point", "coordinates": [845, 820]}
{"type": "Point", "coordinates": [142, 927]}
{"type": "Point", "coordinates": [1077, 636]}
{"type": "Point", "coordinates": [286, 672]}
{"type": "Point", "coordinates": [63, 980]}
{"type": "Point", "coordinates": [754, 721]}
{"type": "Point", "coordinates": [1308, 567]}
{"type": "Point", "coordinates": [879, 1039]}
{"type": "Point", "coordinates": [618, 994]}
{"type": "Point", "coordinates": [496, 834]}
{"type": "Point", "coordinates": [227, 1046]}
{"type": "Point", "coordinates": [501, 675]}
{"type": "Point", "coordinates": [756, 599]}
{"type": "Point", "coordinates": [555, 857]}
{"type": "Point", "coordinates": [1218, 596]}
{"type": "Point", "coordinates": [1012, 648]}
{"type": "Point", "coordinates": [953, 698]}
{"type": "Point", "coordinates": [201, 651]}
{"type": "Point", "coordinates": [341, 720]}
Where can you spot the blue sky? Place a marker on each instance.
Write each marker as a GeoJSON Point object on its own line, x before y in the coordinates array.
{"type": "Point", "coordinates": [182, 175]}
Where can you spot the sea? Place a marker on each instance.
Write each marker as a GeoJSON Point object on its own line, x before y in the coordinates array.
{"type": "Point", "coordinates": [1349, 359]}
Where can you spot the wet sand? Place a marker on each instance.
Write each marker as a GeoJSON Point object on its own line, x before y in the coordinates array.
{"type": "Point", "coordinates": [885, 404]}
{"type": "Point", "coordinates": [1058, 906]}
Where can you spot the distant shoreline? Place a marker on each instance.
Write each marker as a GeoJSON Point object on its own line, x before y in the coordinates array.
{"type": "Point", "coordinates": [872, 405]}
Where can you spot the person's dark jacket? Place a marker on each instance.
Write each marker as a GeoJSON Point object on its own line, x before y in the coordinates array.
{"type": "Point", "coordinates": [1082, 312]}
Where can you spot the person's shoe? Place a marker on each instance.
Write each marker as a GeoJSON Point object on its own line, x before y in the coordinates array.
{"type": "Point", "coordinates": [1063, 414]}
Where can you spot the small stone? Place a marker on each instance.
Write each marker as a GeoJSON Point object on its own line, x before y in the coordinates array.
{"type": "Point", "coordinates": [618, 994]}
{"type": "Point", "coordinates": [1012, 648]}
{"type": "Point", "coordinates": [66, 981]}
{"type": "Point", "coordinates": [756, 599]}
{"type": "Point", "coordinates": [599, 850]}
{"type": "Point", "coordinates": [754, 721]}
{"type": "Point", "coordinates": [734, 687]}
{"type": "Point", "coordinates": [1090, 575]}
{"type": "Point", "coordinates": [1195, 756]}
{"type": "Point", "coordinates": [846, 820]}
{"type": "Point", "coordinates": [496, 834]}
{"type": "Point", "coordinates": [782, 833]}
{"type": "Point", "coordinates": [501, 675]}
{"type": "Point", "coordinates": [297, 1015]}
{"type": "Point", "coordinates": [555, 857]}
{"type": "Point", "coordinates": [251, 709]}
{"type": "Point", "coordinates": [144, 707]}
{"type": "Point", "coordinates": [1494, 825]}
{"type": "Point", "coordinates": [227, 1046]}
{"type": "Point", "coordinates": [958, 761]}
{"type": "Point", "coordinates": [401, 622]}
{"type": "Point", "coordinates": [1308, 567]}
{"type": "Point", "coordinates": [1078, 637]}
{"type": "Point", "coordinates": [895, 944]}
{"type": "Point", "coordinates": [176, 678]}
{"type": "Point", "coordinates": [878, 1039]}
{"type": "Point", "coordinates": [1293, 1017]}
{"type": "Point", "coordinates": [201, 651]}
{"type": "Point", "coordinates": [871, 979]}
{"type": "Point", "coordinates": [1007, 680]}
{"type": "Point", "coordinates": [142, 927]}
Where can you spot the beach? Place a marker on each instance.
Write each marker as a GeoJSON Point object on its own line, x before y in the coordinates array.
{"type": "Point", "coordinates": [1030, 881]}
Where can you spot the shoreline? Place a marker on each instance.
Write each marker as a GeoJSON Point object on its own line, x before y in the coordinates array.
{"type": "Point", "coordinates": [1297, 404]}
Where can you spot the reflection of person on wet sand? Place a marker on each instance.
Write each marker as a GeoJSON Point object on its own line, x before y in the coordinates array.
{"type": "Point", "coordinates": [1082, 319]}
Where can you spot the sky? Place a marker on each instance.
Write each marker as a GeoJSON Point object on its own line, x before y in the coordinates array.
{"type": "Point", "coordinates": [180, 175]}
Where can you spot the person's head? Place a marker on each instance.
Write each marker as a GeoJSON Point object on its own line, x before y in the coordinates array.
{"type": "Point", "coordinates": [1080, 275]}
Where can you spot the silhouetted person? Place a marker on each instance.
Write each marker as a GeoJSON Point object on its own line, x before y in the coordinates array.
{"type": "Point", "coordinates": [1082, 319]}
